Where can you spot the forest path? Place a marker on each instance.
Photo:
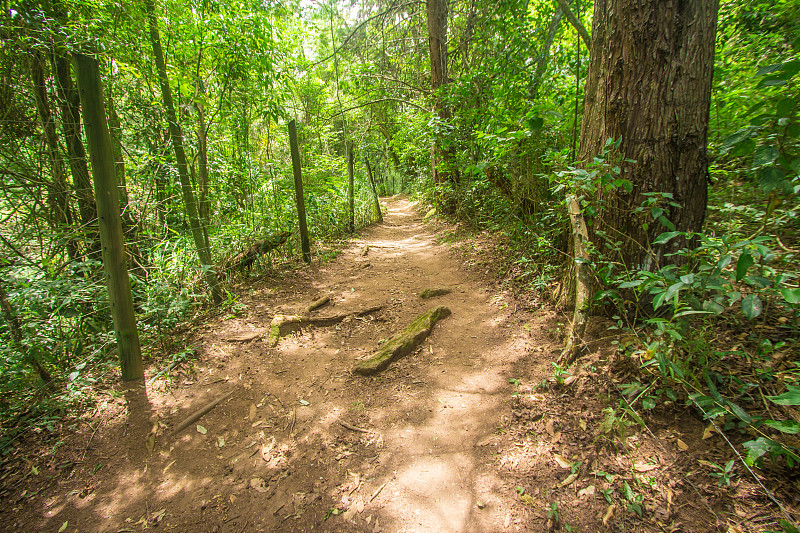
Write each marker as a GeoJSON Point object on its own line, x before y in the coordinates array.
{"type": "Point", "coordinates": [274, 456]}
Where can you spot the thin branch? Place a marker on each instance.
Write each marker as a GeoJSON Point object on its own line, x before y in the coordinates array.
{"type": "Point", "coordinates": [388, 99]}
{"type": "Point", "coordinates": [575, 23]}
{"type": "Point", "coordinates": [357, 28]}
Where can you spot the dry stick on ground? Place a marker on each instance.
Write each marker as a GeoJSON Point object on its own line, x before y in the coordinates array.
{"type": "Point", "coordinates": [352, 428]}
{"type": "Point", "coordinates": [197, 415]}
{"type": "Point", "coordinates": [402, 343]}
{"type": "Point", "coordinates": [580, 236]}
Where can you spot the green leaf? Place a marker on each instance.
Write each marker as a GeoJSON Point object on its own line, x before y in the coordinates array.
{"type": "Point", "coordinates": [756, 449]}
{"type": "Point", "coordinates": [770, 178]}
{"type": "Point", "coordinates": [752, 306]}
{"type": "Point", "coordinates": [738, 137]}
{"type": "Point", "coordinates": [535, 123]}
{"type": "Point", "coordinates": [743, 148]}
{"type": "Point", "coordinates": [740, 413]}
{"type": "Point", "coordinates": [713, 307]}
{"type": "Point", "coordinates": [784, 426]}
{"type": "Point", "coordinates": [629, 284]}
{"type": "Point", "coordinates": [788, 527]}
{"type": "Point", "coordinates": [664, 238]}
{"type": "Point", "coordinates": [790, 397]}
{"type": "Point", "coordinates": [769, 69]}
{"type": "Point", "coordinates": [791, 295]}
{"type": "Point", "coordinates": [765, 155]}
{"type": "Point", "coordinates": [673, 290]}
{"type": "Point", "coordinates": [785, 107]}
{"type": "Point", "coordinates": [745, 262]}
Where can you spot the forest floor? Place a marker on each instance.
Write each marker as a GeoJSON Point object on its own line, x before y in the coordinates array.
{"type": "Point", "coordinates": [465, 434]}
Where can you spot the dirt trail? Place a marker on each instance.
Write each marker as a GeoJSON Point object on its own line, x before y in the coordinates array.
{"type": "Point", "coordinates": [275, 456]}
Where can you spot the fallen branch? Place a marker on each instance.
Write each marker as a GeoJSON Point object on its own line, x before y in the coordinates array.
{"type": "Point", "coordinates": [430, 293]}
{"type": "Point", "coordinates": [316, 304]}
{"type": "Point", "coordinates": [197, 415]}
{"type": "Point", "coordinates": [283, 325]}
{"type": "Point", "coordinates": [246, 259]}
{"type": "Point", "coordinates": [375, 494]}
{"type": "Point", "coordinates": [402, 343]}
{"type": "Point", "coordinates": [353, 428]}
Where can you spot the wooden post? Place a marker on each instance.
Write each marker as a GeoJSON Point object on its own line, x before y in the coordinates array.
{"type": "Point", "coordinates": [374, 190]}
{"type": "Point", "coordinates": [350, 189]}
{"type": "Point", "coordinates": [298, 192]}
{"type": "Point", "coordinates": [107, 198]}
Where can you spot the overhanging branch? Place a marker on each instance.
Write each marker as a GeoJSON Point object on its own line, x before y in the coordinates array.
{"type": "Point", "coordinates": [575, 23]}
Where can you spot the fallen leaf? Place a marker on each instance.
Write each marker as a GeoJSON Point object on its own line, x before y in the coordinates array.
{"type": "Point", "coordinates": [570, 380]}
{"type": "Point", "coordinates": [682, 446]}
{"type": "Point", "coordinates": [303, 402]}
{"type": "Point", "coordinates": [233, 499]}
{"type": "Point", "coordinates": [220, 442]}
{"type": "Point", "coordinates": [709, 432]}
{"type": "Point", "coordinates": [586, 491]}
{"type": "Point", "coordinates": [201, 429]}
{"type": "Point", "coordinates": [609, 514]}
{"type": "Point", "coordinates": [63, 526]}
{"type": "Point", "coordinates": [549, 427]}
{"type": "Point", "coordinates": [570, 479]}
{"type": "Point", "coordinates": [645, 467]}
{"type": "Point", "coordinates": [556, 437]}
{"type": "Point", "coordinates": [253, 411]}
{"type": "Point", "coordinates": [582, 424]}
{"type": "Point", "coordinates": [562, 462]}
{"type": "Point", "coordinates": [158, 515]}
{"type": "Point", "coordinates": [258, 484]}
{"type": "Point", "coordinates": [507, 521]}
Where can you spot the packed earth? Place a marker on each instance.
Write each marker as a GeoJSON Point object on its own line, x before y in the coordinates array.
{"type": "Point", "coordinates": [473, 431]}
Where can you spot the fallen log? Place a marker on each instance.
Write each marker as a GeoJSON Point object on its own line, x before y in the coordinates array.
{"type": "Point", "coordinates": [431, 293]}
{"type": "Point", "coordinates": [402, 343]}
{"type": "Point", "coordinates": [283, 325]}
{"type": "Point", "coordinates": [245, 259]}
{"type": "Point", "coordinates": [318, 303]}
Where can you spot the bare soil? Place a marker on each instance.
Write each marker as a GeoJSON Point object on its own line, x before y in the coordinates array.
{"type": "Point", "coordinates": [465, 435]}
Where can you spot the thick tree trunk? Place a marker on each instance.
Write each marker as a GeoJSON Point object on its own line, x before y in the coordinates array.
{"type": "Point", "coordinates": [649, 84]}
{"type": "Point", "coordinates": [196, 224]}
{"type": "Point", "coordinates": [442, 164]}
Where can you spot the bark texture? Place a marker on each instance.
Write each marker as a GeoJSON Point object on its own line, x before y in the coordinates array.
{"type": "Point", "coordinates": [649, 83]}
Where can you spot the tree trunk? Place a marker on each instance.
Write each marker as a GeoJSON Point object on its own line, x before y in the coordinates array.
{"type": "Point", "coordinates": [374, 191]}
{"type": "Point", "coordinates": [105, 183]}
{"type": "Point", "coordinates": [58, 191]}
{"type": "Point", "coordinates": [351, 195]}
{"type": "Point", "coordinates": [203, 251]}
{"type": "Point", "coordinates": [442, 162]}
{"type": "Point", "coordinates": [649, 84]}
{"type": "Point", "coordinates": [305, 242]}
{"type": "Point", "coordinates": [71, 126]}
